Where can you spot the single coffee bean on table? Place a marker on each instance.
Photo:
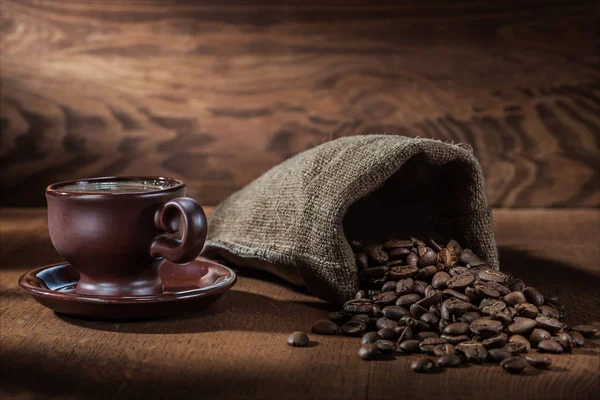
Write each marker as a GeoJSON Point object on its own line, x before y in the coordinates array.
{"type": "Point", "coordinates": [298, 339]}
{"type": "Point", "coordinates": [446, 301]}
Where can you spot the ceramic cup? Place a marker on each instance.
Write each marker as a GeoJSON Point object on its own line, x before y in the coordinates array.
{"type": "Point", "coordinates": [116, 231]}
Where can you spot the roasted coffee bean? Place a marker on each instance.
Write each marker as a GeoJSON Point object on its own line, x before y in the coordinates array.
{"type": "Point", "coordinates": [447, 258]}
{"type": "Point", "coordinates": [377, 311]}
{"type": "Point", "coordinates": [550, 346]}
{"type": "Point", "coordinates": [495, 341]}
{"type": "Point", "coordinates": [405, 286]}
{"type": "Point", "coordinates": [537, 335]}
{"type": "Point", "coordinates": [372, 293]}
{"type": "Point", "coordinates": [473, 351]}
{"type": "Point", "coordinates": [577, 338]}
{"type": "Point", "coordinates": [526, 310]}
{"type": "Point", "coordinates": [515, 297]}
{"type": "Point", "coordinates": [419, 288]}
{"type": "Point", "coordinates": [430, 300]}
{"type": "Point", "coordinates": [385, 298]}
{"type": "Point", "coordinates": [398, 253]}
{"type": "Point", "coordinates": [490, 275]}
{"type": "Point", "coordinates": [460, 282]}
{"type": "Point", "coordinates": [468, 257]}
{"type": "Point", "coordinates": [515, 347]}
{"type": "Point", "coordinates": [298, 339]}
{"type": "Point", "coordinates": [457, 307]}
{"type": "Point", "coordinates": [415, 324]}
{"type": "Point", "coordinates": [362, 317]}
{"type": "Point", "coordinates": [485, 291]}
{"type": "Point", "coordinates": [449, 361]}
{"type": "Point", "coordinates": [384, 322]}
{"type": "Point", "coordinates": [386, 346]}
{"type": "Point", "coordinates": [325, 327]}
{"type": "Point", "coordinates": [520, 339]}
{"type": "Point", "coordinates": [549, 324]}
{"type": "Point", "coordinates": [373, 273]}
{"type": "Point", "coordinates": [585, 330]}
{"type": "Point", "coordinates": [402, 271]}
{"type": "Point", "coordinates": [426, 273]}
{"type": "Point", "coordinates": [503, 316]}
{"type": "Point", "coordinates": [435, 246]}
{"type": "Point", "coordinates": [428, 344]}
{"type": "Point", "coordinates": [404, 333]}
{"type": "Point", "coordinates": [357, 306]}
{"type": "Point", "coordinates": [549, 311]}
{"type": "Point", "coordinates": [362, 261]}
{"type": "Point", "coordinates": [485, 325]}
{"type": "Point", "coordinates": [455, 339]}
{"type": "Point", "coordinates": [416, 310]}
{"type": "Point", "coordinates": [339, 317]}
{"type": "Point", "coordinates": [370, 337]}
{"type": "Point", "coordinates": [443, 349]}
{"type": "Point", "coordinates": [412, 259]}
{"type": "Point", "coordinates": [514, 365]}
{"type": "Point", "coordinates": [500, 288]}
{"type": "Point", "coordinates": [407, 299]}
{"type": "Point", "coordinates": [458, 270]}
{"type": "Point", "coordinates": [354, 327]}
{"type": "Point", "coordinates": [448, 293]}
{"type": "Point", "coordinates": [516, 284]}
{"type": "Point", "coordinates": [497, 355]}
{"type": "Point", "coordinates": [533, 296]}
{"type": "Point", "coordinates": [361, 294]}
{"type": "Point", "coordinates": [454, 246]}
{"type": "Point", "coordinates": [429, 257]}
{"type": "Point", "coordinates": [457, 329]}
{"type": "Point", "coordinates": [430, 319]}
{"type": "Point", "coordinates": [389, 286]}
{"type": "Point", "coordinates": [387, 334]}
{"type": "Point", "coordinates": [538, 360]}
{"type": "Point", "coordinates": [469, 317]}
{"type": "Point", "coordinates": [368, 351]}
{"type": "Point", "coordinates": [423, 365]}
{"type": "Point", "coordinates": [489, 306]}
{"type": "Point", "coordinates": [395, 312]}
{"type": "Point", "coordinates": [564, 339]}
{"type": "Point", "coordinates": [426, 335]}
{"type": "Point", "coordinates": [410, 346]}
{"type": "Point", "coordinates": [521, 326]}
{"type": "Point", "coordinates": [396, 243]}
{"type": "Point", "coordinates": [376, 254]}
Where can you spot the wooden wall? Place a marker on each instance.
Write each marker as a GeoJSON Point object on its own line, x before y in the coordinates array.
{"type": "Point", "coordinates": [217, 94]}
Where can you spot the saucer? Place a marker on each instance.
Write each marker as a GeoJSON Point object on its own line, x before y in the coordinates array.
{"type": "Point", "coordinates": [187, 288]}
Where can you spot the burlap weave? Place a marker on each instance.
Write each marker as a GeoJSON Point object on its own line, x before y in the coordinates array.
{"type": "Point", "coordinates": [292, 221]}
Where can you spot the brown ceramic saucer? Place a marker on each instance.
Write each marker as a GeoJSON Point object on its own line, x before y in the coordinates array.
{"type": "Point", "coordinates": [188, 288]}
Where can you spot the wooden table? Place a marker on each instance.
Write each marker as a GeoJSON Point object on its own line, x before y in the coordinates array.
{"type": "Point", "coordinates": [237, 348]}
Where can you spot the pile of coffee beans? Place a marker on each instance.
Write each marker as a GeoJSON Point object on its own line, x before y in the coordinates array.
{"type": "Point", "coordinates": [449, 304]}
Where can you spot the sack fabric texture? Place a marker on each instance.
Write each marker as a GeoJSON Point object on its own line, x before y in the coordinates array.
{"type": "Point", "coordinates": [295, 220]}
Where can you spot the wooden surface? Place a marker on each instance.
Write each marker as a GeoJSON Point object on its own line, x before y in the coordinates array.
{"type": "Point", "coordinates": [237, 348]}
{"type": "Point", "coordinates": [217, 94]}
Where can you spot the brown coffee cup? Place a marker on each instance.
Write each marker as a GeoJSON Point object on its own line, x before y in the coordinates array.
{"type": "Point", "coordinates": [116, 231]}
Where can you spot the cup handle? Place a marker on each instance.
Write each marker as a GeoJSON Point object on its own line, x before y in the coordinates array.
{"type": "Point", "coordinates": [195, 228]}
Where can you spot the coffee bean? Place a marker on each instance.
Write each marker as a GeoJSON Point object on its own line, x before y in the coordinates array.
{"type": "Point", "coordinates": [490, 275]}
{"type": "Point", "coordinates": [430, 319]}
{"type": "Point", "coordinates": [489, 306]}
{"type": "Point", "coordinates": [585, 330]}
{"type": "Point", "coordinates": [395, 312]}
{"type": "Point", "coordinates": [386, 346]}
{"type": "Point", "coordinates": [384, 322]}
{"type": "Point", "coordinates": [376, 254]}
{"type": "Point", "coordinates": [514, 365]}
{"type": "Point", "coordinates": [447, 258]}
{"type": "Point", "coordinates": [395, 244]}
{"type": "Point", "coordinates": [362, 261]}
{"type": "Point", "coordinates": [398, 253]}
{"type": "Point", "coordinates": [387, 334]}
{"type": "Point", "coordinates": [354, 327]}
{"type": "Point", "coordinates": [298, 339]}
{"type": "Point", "coordinates": [357, 306]}
{"type": "Point", "coordinates": [455, 339]}
{"type": "Point", "coordinates": [500, 288]}
{"type": "Point", "coordinates": [385, 298]}
{"type": "Point", "coordinates": [325, 327]}
{"type": "Point", "coordinates": [423, 365]}
{"type": "Point", "coordinates": [410, 346]}
{"type": "Point", "coordinates": [430, 300]}
{"type": "Point", "coordinates": [549, 324]}
{"type": "Point", "coordinates": [402, 271]}
{"type": "Point", "coordinates": [457, 328]}
{"type": "Point", "coordinates": [520, 339]}
{"type": "Point", "coordinates": [370, 337]}
{"type": "Point", "coordinates": [468, 257]}
{"type": "Point", "coordinates": [533, 296]}
{"type": "Point", "coordinates": [503, 316]}
{"type": "Point", "coordinates": [495, 341]}
{"type": "Point", "coordinates": [469, 317]}
{"type": "Point", "coordinates": [526, 310]}
{"type": "Point", "coordinates": [538, 360]}
{"type": "Point", "coordinates": [412, 259]}
{"type": "Point", "coordinates": [417, 311]}
{"type": "Point", "coordinates": [426, 335]}
{"type": "Point", "coordinates": [449, 361]}
{"type": "Point", "coordinates": [443, 349]}
{"type": "Point", "coordinates": [405, 286]}
{"type": "Point", "coordinates": [428, 344]}
{"type": "Point", "coordinates": [448, 293]}
{"type": "Point", "coordinates": [389, 286]}
{"type": "Point", "coordinates": [458, 270]}
{"type": "Point", "coordinates": [577, 338]}
{"type": "Point", "coordinates": [429, 257]}
{"type": "Point", "coordinates": [407, 299]}
{"type": "Point", "coordinates": [457, 307]}
{"type": "Point", "coordinates": [514, 298]}
{"type": "Point", "coordinates": [404, 333]}
{"type": "Point", "coordinates": [339, 317]}
{"type": "Point", "coordinates": [537, 335]}
{"type": "Point", "coordinates": [521, 326]}
{"type": "Point", "coordinates": [473, 351]}
{"type": "Point", "coordinates": [550, 346]}
{"type": "Point", "coordinates": [516, 284]}
{"type": "Point", "coordinates": [368, 351]}
{"type": "Point", "coordinates": [483, 325]}
{"type": "Point", "coordinates": [515, 347]}
{"type": "Point", "coordinates": [361, 294]}
{"type": "Point", "coordinates": [362, 317]}
{"type": "Point", "coordinates": [497, 355]}
{"type": "Point", "coordinates": [485, 291]}
{"type": "Point", "coordinates": [419, 288]}
{"type": "Point", "coordinates": [550, 312]}
{"type": "Point", "coordinates": [372, 293]}
{"type": "Point", "coordinates": [417, 325]}
{"type": "Point", "coordinates": [460, 282]}
{"type": "Point", "coordinates": [564, 339]}
{"type": "Point", "coordinates": [426, 273]}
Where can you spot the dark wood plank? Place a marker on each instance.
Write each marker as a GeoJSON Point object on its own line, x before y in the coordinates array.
{"type": "Point", "coordinates": [217, 93]}
{"type": "Point", "coordinates": [237, 349]}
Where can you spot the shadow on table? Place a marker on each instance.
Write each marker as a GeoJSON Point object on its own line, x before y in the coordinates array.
{"type": "Point", "coordinates": [241, 310]}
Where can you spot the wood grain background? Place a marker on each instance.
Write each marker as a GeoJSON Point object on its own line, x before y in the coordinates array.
{"type": "Point", "coordinates": [217, 94]}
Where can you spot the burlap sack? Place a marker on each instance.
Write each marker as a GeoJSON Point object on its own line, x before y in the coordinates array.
{"type": "Point", "coordinates": [294, 220]}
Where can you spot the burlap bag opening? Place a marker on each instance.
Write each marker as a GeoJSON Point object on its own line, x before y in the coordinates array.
{"type": "Point", "coordinates": [294, 220]}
